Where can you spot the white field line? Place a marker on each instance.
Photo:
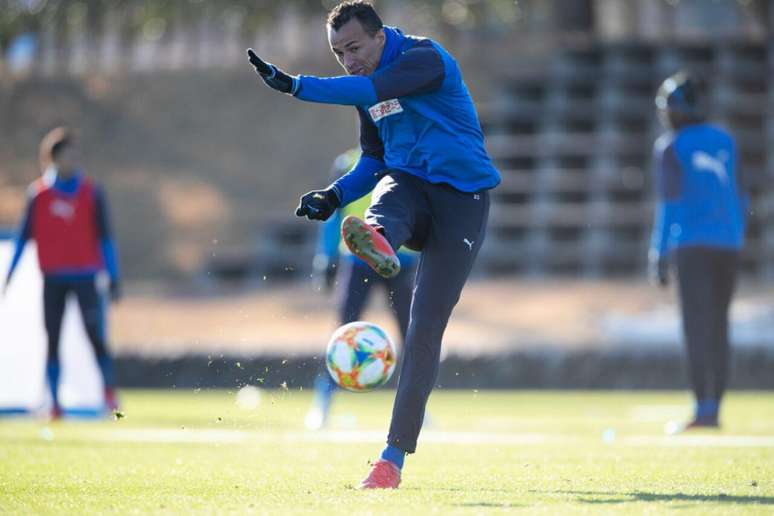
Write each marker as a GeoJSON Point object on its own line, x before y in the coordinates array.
{"type": "Point", "coordinates": [205, 436]}
{"type": "Point", "coordinates": [701, 441]}
{"type": "Point", "coordinates": [656, 413]}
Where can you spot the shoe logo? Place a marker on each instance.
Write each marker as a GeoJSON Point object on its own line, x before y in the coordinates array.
{"type": "Point", "coordinates": [476, 197]}
{"type": "Point", "coordinates": [468, 243]}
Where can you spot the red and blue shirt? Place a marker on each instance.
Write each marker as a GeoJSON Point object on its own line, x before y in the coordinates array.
{"type": "Point", "coordinates": [67, 218]}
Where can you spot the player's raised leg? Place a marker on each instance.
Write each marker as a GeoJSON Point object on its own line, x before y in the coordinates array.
{"type": "Point", "coordinates": [368, 244]}
{"type": "Point", "coordinates": [397, 216]}
{"type": "Point", "coordinates": [354, 288]}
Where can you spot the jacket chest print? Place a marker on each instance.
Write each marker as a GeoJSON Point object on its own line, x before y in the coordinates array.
{"type": "Point", "coordinates": [385, 108]}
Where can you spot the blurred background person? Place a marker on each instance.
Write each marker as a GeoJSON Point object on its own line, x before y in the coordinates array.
{"type": "Point", "coordinates": [67, 217]}
{"type": "Point", "coordinates": [333, 260]}
{"type": "Point", "coordinates": [699, 225]}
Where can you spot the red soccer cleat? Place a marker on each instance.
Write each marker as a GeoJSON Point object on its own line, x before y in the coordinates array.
{"type": "Point", "coordinates": [383, 475]}
{"type": "Point", "coordinates": [699, 423]}
{"type": "Point", "coordinates": [56, 413]}
{"type": "Point", "coordinates": [369, 245]}
{"type": "Point", "coordinates": [674, 428]}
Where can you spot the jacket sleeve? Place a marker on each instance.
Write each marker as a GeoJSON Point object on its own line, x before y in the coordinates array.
{"type": "Point", "coordinates": [668, 182]}
{"type": "Point", "coordinates": [23, 234]}
{"type": "Point", "coordinates": [105, 234]}
{"type": "Point", "coordinates": [416, 71]}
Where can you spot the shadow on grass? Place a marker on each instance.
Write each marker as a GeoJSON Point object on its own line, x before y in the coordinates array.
{"type": "Point", "coordinates": [640, 496]}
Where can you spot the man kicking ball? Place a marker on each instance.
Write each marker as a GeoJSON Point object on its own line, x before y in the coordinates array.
{"type": "Point", "coordinates": [423, 151]}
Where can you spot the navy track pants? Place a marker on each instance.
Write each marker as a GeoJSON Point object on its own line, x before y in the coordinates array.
{"type": "Point", "coordinates": [448, 227]}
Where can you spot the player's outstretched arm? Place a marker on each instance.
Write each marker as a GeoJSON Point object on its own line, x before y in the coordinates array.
{"type": "Point", "coordinates": [273, 76]}
{"type": "Point", "coordinates": [417, 71]}
{"type": "Point", "coordinates": [24, 233]}
{"type": "Point", "coordinates": [326, 256]}
{"type": "Point", "coordinates": [332, 90]}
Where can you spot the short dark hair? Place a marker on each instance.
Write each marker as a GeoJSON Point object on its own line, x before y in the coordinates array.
{"type": "Point", "coordinates": [361, 10]}
{"type": "Point", "coordinates": [54, 143]}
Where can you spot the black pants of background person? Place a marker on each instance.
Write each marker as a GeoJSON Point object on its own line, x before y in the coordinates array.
{"type": "Point", "coordinates": [448, 226]}
{"type": "Point", "coordinates": [55, 293]}
{"type": "Point", "coordinates": [706, 281]}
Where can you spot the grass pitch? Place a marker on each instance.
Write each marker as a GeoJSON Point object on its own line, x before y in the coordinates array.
{"type": "Point", "coordinates": [480, 452]}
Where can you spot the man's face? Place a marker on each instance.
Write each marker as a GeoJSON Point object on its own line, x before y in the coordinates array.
{"type": "Point", "coordinates": [357, 52]}
{"type": "Point", "coordinates": [68, 160]}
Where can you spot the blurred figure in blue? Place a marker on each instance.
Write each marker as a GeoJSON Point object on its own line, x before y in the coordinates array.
{"type": "Point", "coordinates": [355, 281]}
{"type": "Point", "coordinates": [699, 226]}
{"type": "Point", "coordinates": [67, 216]}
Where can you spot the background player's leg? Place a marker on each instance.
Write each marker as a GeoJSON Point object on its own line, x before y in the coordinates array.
{"type": "Point", "coordinates": [456, 235]}
{"type": "Point", "coordinates": [92, 311]}
{"type": "Point", "coordinates": [724, 279]}
{"type": "Point", "coordinates": [355, 290]}
{"type": "Point", "coordinates": [54, 298]}
{"type": "Point", "coordinates": [695, 291]}
{"type": "Point", "coordinates": [354, 287]}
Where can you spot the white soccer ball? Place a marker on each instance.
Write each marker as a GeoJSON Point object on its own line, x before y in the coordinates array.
{"type": "Point", "coordinates": [360, 356]}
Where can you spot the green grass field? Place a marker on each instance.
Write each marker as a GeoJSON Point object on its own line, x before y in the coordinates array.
{"type": "Point", "coordinates": [481, 452]}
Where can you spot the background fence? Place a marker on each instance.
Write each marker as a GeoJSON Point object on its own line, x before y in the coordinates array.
{"type": "Point", "coordinates": [177, 127]}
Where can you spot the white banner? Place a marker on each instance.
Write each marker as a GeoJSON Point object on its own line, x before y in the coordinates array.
{"type": "Point", "coordinates": [23, 345]}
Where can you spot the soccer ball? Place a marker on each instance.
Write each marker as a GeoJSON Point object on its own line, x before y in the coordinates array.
{"type": "Point", "coordinates": [360, 356]}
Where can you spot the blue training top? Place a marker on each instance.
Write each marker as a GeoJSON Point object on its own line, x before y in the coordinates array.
{"type": "Point", "coordinates": [700, 198]}
{"type": "Point", "coordinates": [416, 116]}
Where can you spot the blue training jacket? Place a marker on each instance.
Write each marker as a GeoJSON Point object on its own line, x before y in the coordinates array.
{"type": "Point", "coordinates": [700, 198]}
{"type": "Point", "coordinates": [416, 116]}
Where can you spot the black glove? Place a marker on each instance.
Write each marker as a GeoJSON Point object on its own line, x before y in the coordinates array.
{"type": "Point", "coordinates": [658, 271]}
{"type": "Point", "coordinates": [271, 75]}
{"type": "Point", "coordinates": [318, 204]}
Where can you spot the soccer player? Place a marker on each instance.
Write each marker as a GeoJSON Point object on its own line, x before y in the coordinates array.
{"type": "Point", "coordinates": [356, 281]}
{"type": "Point", "coordinates": [67, 216]}
{"type": "Point", "coordinates": [423, 151]}
{"type": "Point", "coordinates": [699, 224]}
